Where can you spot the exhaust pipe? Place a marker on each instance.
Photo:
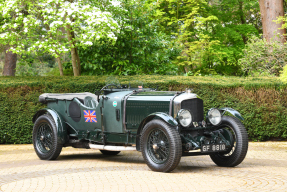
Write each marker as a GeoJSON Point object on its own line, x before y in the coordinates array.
{"type": "Point", "coordinates": [112, 148]}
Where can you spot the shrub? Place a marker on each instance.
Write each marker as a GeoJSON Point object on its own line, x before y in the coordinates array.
{"type": "Point", "coordinates": [262, 57]}
{"type": "Point", "coordinates": [261, 101]}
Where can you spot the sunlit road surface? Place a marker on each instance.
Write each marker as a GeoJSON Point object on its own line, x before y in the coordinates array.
{"type": "Point", "coordinates": [264, 169]}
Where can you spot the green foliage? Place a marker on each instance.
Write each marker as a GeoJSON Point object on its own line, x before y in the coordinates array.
{"type": "Point", "coordinates": [212, 35]}
{"type": "Point", "coordinates": [140, 47]}
{"type": "Point", "coordinates": [32, 65]}
{"type": "Point", "coordinates": [56, 72]}
{"type": "Point", "coordinates": [262, 57]}
{"type": "Point", "coordinates": [261, 101]}
{"type": "Point", "coordinates": [186, 20]}
{"type": "Point", "coordinates": [283, 19]}
{"type": "Point", "coordinates": [128, 37]}
{"type": "Point", "coordinates": [40, 27]}
{"type": "Point", "coordinates": [283, 75]}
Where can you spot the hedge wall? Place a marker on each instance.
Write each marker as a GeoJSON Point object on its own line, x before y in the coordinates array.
{"type": "Point", "coordinates": [261, 101]}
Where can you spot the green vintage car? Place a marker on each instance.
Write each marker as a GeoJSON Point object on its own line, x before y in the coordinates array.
{"type": "Point", "coordinates": [162, 125]}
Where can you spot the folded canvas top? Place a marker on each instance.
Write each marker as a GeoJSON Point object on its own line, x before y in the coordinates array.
{"type": "Point", "coordinates": [65, 96]}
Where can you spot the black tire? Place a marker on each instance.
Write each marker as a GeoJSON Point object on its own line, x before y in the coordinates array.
{"type": "Point", "coordinates": [161, 146]}
{"type": "Point", "coordinates": [45, 140]}
{"type": "Point", "coordinates": [105, 152]}
{"type": "Point", "coordinates": [238, 150]}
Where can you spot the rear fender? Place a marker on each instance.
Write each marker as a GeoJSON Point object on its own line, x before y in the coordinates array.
{"type": "Point", "coordinates": [163, 116]}
{"type": "Point", "coordinates": [61, 126]}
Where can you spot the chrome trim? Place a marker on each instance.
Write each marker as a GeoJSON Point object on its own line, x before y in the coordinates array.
{"type": "Point", "coordinates": [124, 109]}
{"type": "Point", "coordinates": [112, 148]}
{"type": "Point", "coordinates": [170, 103]}
{"type": "Point", "coordinates": [177, 101]}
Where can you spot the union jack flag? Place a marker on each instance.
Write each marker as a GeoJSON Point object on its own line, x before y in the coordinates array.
{"type": "Point", "coordinates": [90, 116]}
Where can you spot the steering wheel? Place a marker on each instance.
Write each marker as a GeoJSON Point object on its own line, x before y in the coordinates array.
{"type": "Point", "coordinates": [98, 93]}
{"type": "Point", "coordinates": [110, 85]}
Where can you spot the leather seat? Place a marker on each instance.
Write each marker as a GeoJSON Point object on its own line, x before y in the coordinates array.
{"type": "Point", "coordinates": [90, 102]}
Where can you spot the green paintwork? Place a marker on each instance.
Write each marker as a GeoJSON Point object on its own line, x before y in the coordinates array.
{"type": "Point", "coordinates": [157, 93]}
{"type": "Point", "coordinates": [167, 118]}
{"type": "Point", "coordinates": [62, 107]}
{"type": "Point", "coordinates": [110, 121]}
{"type": "Point", "coordinates": [141, 107]}
{"type": "Point", "coordinates": [146, 98]}
{"type": "Point", "coordinates": [233, 112]}
{"type": "Point", "coordinates": [59, 121]}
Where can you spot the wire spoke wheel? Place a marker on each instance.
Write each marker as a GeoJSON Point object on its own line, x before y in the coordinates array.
{"type": "Point", "coordinates": [45, 140]}
{"type": "Point", "coordinates": [161, 146]}
{"type": "Point", "coordinates": [230, 135]}
{"type": "Point", "coordinates": [158, 146]}
{"type": "Point", "coordinates": [235, 133]}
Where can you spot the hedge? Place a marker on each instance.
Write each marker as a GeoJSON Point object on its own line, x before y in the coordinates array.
{"type": "Point", "coordinates": [261, 101]}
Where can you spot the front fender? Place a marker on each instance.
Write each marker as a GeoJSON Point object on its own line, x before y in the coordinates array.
{"type": "Point", "coordinates": [232, 111]}
{"type": "Point", "coordinates": [163, 116]}
{"type": "Point", "coordinates": [61, 126]}
{"type": "Point", "coordinates": [167, 118]}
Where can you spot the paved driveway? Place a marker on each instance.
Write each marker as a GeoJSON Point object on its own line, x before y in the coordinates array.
{"type": "Point", "coordinates": [264, 169]}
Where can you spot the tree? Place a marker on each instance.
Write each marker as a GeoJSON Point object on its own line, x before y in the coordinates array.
{"type": "Point", "coordinates": [54, 27]}
{"type": "Point", "coordinates": [10, 57]}
{"type": "Point", "coordinates": [270, 11]}
{"type": "Point", "coordinates": [212, 33]}
{"type": "Point", "coordinates": [10, 63]}
{"type": "Point", "coordinates": [238, 21]}
{"type": "Point", "coordinates": [141, 48]}
{"type": "Point", "coordinates": [186, 22]}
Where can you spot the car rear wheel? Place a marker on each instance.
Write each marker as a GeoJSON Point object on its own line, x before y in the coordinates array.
{"type": "Point", "coordinates": [161, 146]}
{"type": "Point", "coordinates": [105, 152]}
{"type": "Point", "coordinates": [45, 140]}
{"type": "Point", "coordinates": [237, 136]}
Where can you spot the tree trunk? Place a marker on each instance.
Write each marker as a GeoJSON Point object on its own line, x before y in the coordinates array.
{"type": "Point", "coordinates": [73, 52]}
{"type": "Point", "coordinates": [77, 55]}
{"type": "Point", "coordinates": [60, 65]}
{"type": "Point", "coordinates": [59, 57]}
{"type": "Point", "coordinates": [10, 63]}
{"type": "Point", "coordinates": [131, 49]}
{"type": "Point", "coordinates": [270, 11]}
{"type": "Point", "coordinates": [243, 20]}
{"type": "Point", "coordinates": [78, 60]}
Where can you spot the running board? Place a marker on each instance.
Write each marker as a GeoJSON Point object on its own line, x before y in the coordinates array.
{"type": "Point", "coordinates": [112, 148]}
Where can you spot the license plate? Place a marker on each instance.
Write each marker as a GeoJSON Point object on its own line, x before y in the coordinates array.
{"type": "Point", "coordinates": [213, 148]}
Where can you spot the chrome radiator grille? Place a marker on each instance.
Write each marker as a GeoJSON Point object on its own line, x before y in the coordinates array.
{"type": "Point", "coordinates": [196, 108]}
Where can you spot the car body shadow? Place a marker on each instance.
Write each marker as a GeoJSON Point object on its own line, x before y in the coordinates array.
{"type": "Point", "coordinates": [121, 158]}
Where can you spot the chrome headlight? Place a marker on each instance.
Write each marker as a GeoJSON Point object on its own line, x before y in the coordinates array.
{"type": "Point", "coordinates": [214, 116]}
{"type": "Point", "coordinates": [184, 117]}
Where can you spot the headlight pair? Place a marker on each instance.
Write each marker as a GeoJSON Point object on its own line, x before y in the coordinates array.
{"type": "Point", "coordinates": [185, 117]}
{"type": "Point", "coordinates": [214, 116]}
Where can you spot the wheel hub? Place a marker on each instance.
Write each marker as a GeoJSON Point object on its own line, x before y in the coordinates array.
{"type": "Point", "coordinates": [155, 146]}
{"type": "Point", "coordinates": [158, 146]}
{"type": "Point", "coordinates": [42, 137]}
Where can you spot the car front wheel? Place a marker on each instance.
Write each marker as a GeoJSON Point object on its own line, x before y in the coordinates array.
{"type": "Point", "coordinates": [45, 140]}
{"type": "Point", "coordinates": [161, 146]}
{"type": "Point", "coordinates": [238, 138]}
